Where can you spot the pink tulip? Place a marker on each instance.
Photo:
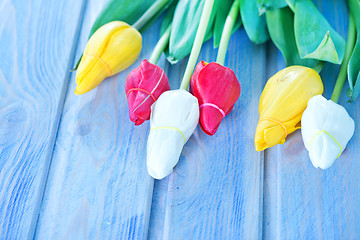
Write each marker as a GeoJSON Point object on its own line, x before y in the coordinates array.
{"type": "Point", "coordinates": [143, 87]}
{"type": "Point", "coordinates": [217, 89]}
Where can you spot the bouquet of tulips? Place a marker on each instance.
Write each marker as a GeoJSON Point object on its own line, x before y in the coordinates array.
{"type": "Point", "coordinates": [291, 98]}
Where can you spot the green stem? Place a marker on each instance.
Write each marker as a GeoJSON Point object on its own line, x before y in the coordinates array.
{"type": "Point", "coordinates": [152, 11]}
{"type": "Point", "coordinates": [160, 46]}
{"type": "Point", "coordinates": [319, 66]}
{"type": "Point", "coordinates": [349, 48]}
{"type": "Point", "coordinates": [199, 38]}
{"type": "Point", "coordinates": [229, 24]}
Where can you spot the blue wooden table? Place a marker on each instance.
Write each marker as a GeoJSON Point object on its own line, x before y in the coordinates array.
{"type": "Point", "coordinates": [74, 167]}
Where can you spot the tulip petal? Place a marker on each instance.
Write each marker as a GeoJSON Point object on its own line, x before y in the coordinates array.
{"type": "Point", "coordinates": [326, 130]}
{"type": "Point", "coordinates": [111, 49]}
{"type": "Point", "coordinates": [143, 86]}
{"type": "Point", "coordinates": [174, 117]}
{"type": "Point", "coordinates": [217, 90]}
{"type": "Point", "coordinates": [283, 102]}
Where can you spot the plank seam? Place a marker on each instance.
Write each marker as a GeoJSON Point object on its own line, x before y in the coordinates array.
{"type": "Point", "coordinates": [54, 134]}
{"type": "Point", "coordinates": [148, 207]}
{"type": "Point", "coordinates": [264, 153]}
{"type": "Point", "coordinates": [261, 191]}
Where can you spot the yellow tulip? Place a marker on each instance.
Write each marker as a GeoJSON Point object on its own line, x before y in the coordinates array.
{"type": "Point", "coordinates": [111, 49]}
{"type": "Point", "coordinates": [283, 102]}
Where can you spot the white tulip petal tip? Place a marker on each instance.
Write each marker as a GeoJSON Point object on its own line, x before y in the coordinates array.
{"type": "Point", "coordinates": [174, 117]}
{"type": "Point", "coordinates": [326, 128]}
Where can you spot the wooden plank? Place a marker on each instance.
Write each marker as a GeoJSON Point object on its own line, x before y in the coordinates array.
{"type": "Point", "coordinates": [98, 186]}
{"type": "Point", "coordinates": [275, 63]}
{"type": "Point", "coordinates": [158, 209]}
{"type": "Point", "coordinates": [215, 191]}
{"type": "Point", "coordinates": [36, 44]}
{"type": "Point", "coordinates": [159, 199]}
{"type": "Point", "coordinates": [309, 203]}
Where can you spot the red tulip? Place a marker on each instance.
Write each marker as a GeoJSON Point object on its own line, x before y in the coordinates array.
{"type": "Point", "coordinates": [217, 90]}
{"type": "Point", "coordinates": [143, 87]}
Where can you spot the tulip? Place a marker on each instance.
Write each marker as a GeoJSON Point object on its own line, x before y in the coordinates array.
{"type": "Point", "coordinates": [111, 49]}
{"type": "Point", "coordinates": [283, 102]}
{"type": "Point", "coordinates": [173, 119]}
{"type": "Point", "coordinates": [326, 130]}
{"type": "Point", "coordinates": [143, 87]}
{"type": "Point", "coordinates": [217, 89]}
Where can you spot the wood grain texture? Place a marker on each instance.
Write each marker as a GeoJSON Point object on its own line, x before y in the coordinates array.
{"type": "Point", "coordinates": [215, 191]}
{"type": "Point", "coordinates": [159, 199]}
{"type": "Point", "coordinates": [36, 47]}
{"type": "Point", "coordinates": [158, 209]}
{"type": "Point", "coordinates": [275, 62]}
{"type": "Point", "coordinates": [307, 203]}
{"type": "Point", "coordinates": [98, 186]}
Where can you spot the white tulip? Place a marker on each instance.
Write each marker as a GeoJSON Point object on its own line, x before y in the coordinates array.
{"type": "Point", "coordinates": [326, 128]}
{"type": "Point", "coordinates": [174, 117]}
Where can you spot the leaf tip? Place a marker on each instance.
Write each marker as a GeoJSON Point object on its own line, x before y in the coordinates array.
{"type": "Point", "coordinates": [326, 51]}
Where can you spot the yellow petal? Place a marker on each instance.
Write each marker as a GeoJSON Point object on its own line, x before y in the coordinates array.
{"type": "Point", "coordinates": [282, 103]}
{"type": "Point", "coordinates": [111, 49]}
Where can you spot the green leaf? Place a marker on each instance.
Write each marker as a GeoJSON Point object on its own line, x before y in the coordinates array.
{"type": "Point", "coordinates": [220, 17]}
{"type": "Point", "coordinates": [354, 63]}
{"type": "Point", "coordinates": [280, 23]}
{"type": "Point", "coordinates": [264, 5]}
{"type": "Point", "coordinates": [291, 4]}
{"type": "Point", "coordinates": [185, 23]}
{"type": "Point", "coordinates": [165, 23]}
{"type": "Point", "coordinates": [349, 93]}
{"type": "Point", "coordinates": [355, 92]}
{"type": "Point", "coordinates": [168, 18]}
{"type": "Point", "coordinates": [314, 36]}
{"type": "Point", "coordinates": [121, 10]}
{"type": "Point", "coordinates": [171, 4]}
{"type": "Point", "coordinates": [354, 6]}
{"type": "Point", "coordinates": [354, 69]}
{"type": "Point", "coordinates": [254, 24]}
{"type": "Point", "coordinates": [325, 50]}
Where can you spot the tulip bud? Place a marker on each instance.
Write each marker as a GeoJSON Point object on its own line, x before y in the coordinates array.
{"type": "Point", "coordinates": [111, 49]}
{"type": "Point", "coordinates": [173, 119]}
{"type": "Point", "coordinates": [326, 130]}
{"type": "Point", "coordinates": [217, 89]}
{"type": "Point", "coordinates": [283, 102]}
{"type": "Point", "coordinates": [143, 87]}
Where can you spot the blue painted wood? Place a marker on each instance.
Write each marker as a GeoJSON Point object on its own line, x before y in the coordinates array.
{"type": "Point", "coordinates": [36, 48]}
{"type": "Point", "coordinates": [158, 209]}
{"type": "Point", "coordinates": [98, 186]}
{"type": "Point", "coordinates": [275, 62]}
{"type": "Point", "coordinates": [215, 191]}
{"type": "Point", "coordinates": [161, 188]}
{"type": "Point", "coordinates": [302, 202]}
